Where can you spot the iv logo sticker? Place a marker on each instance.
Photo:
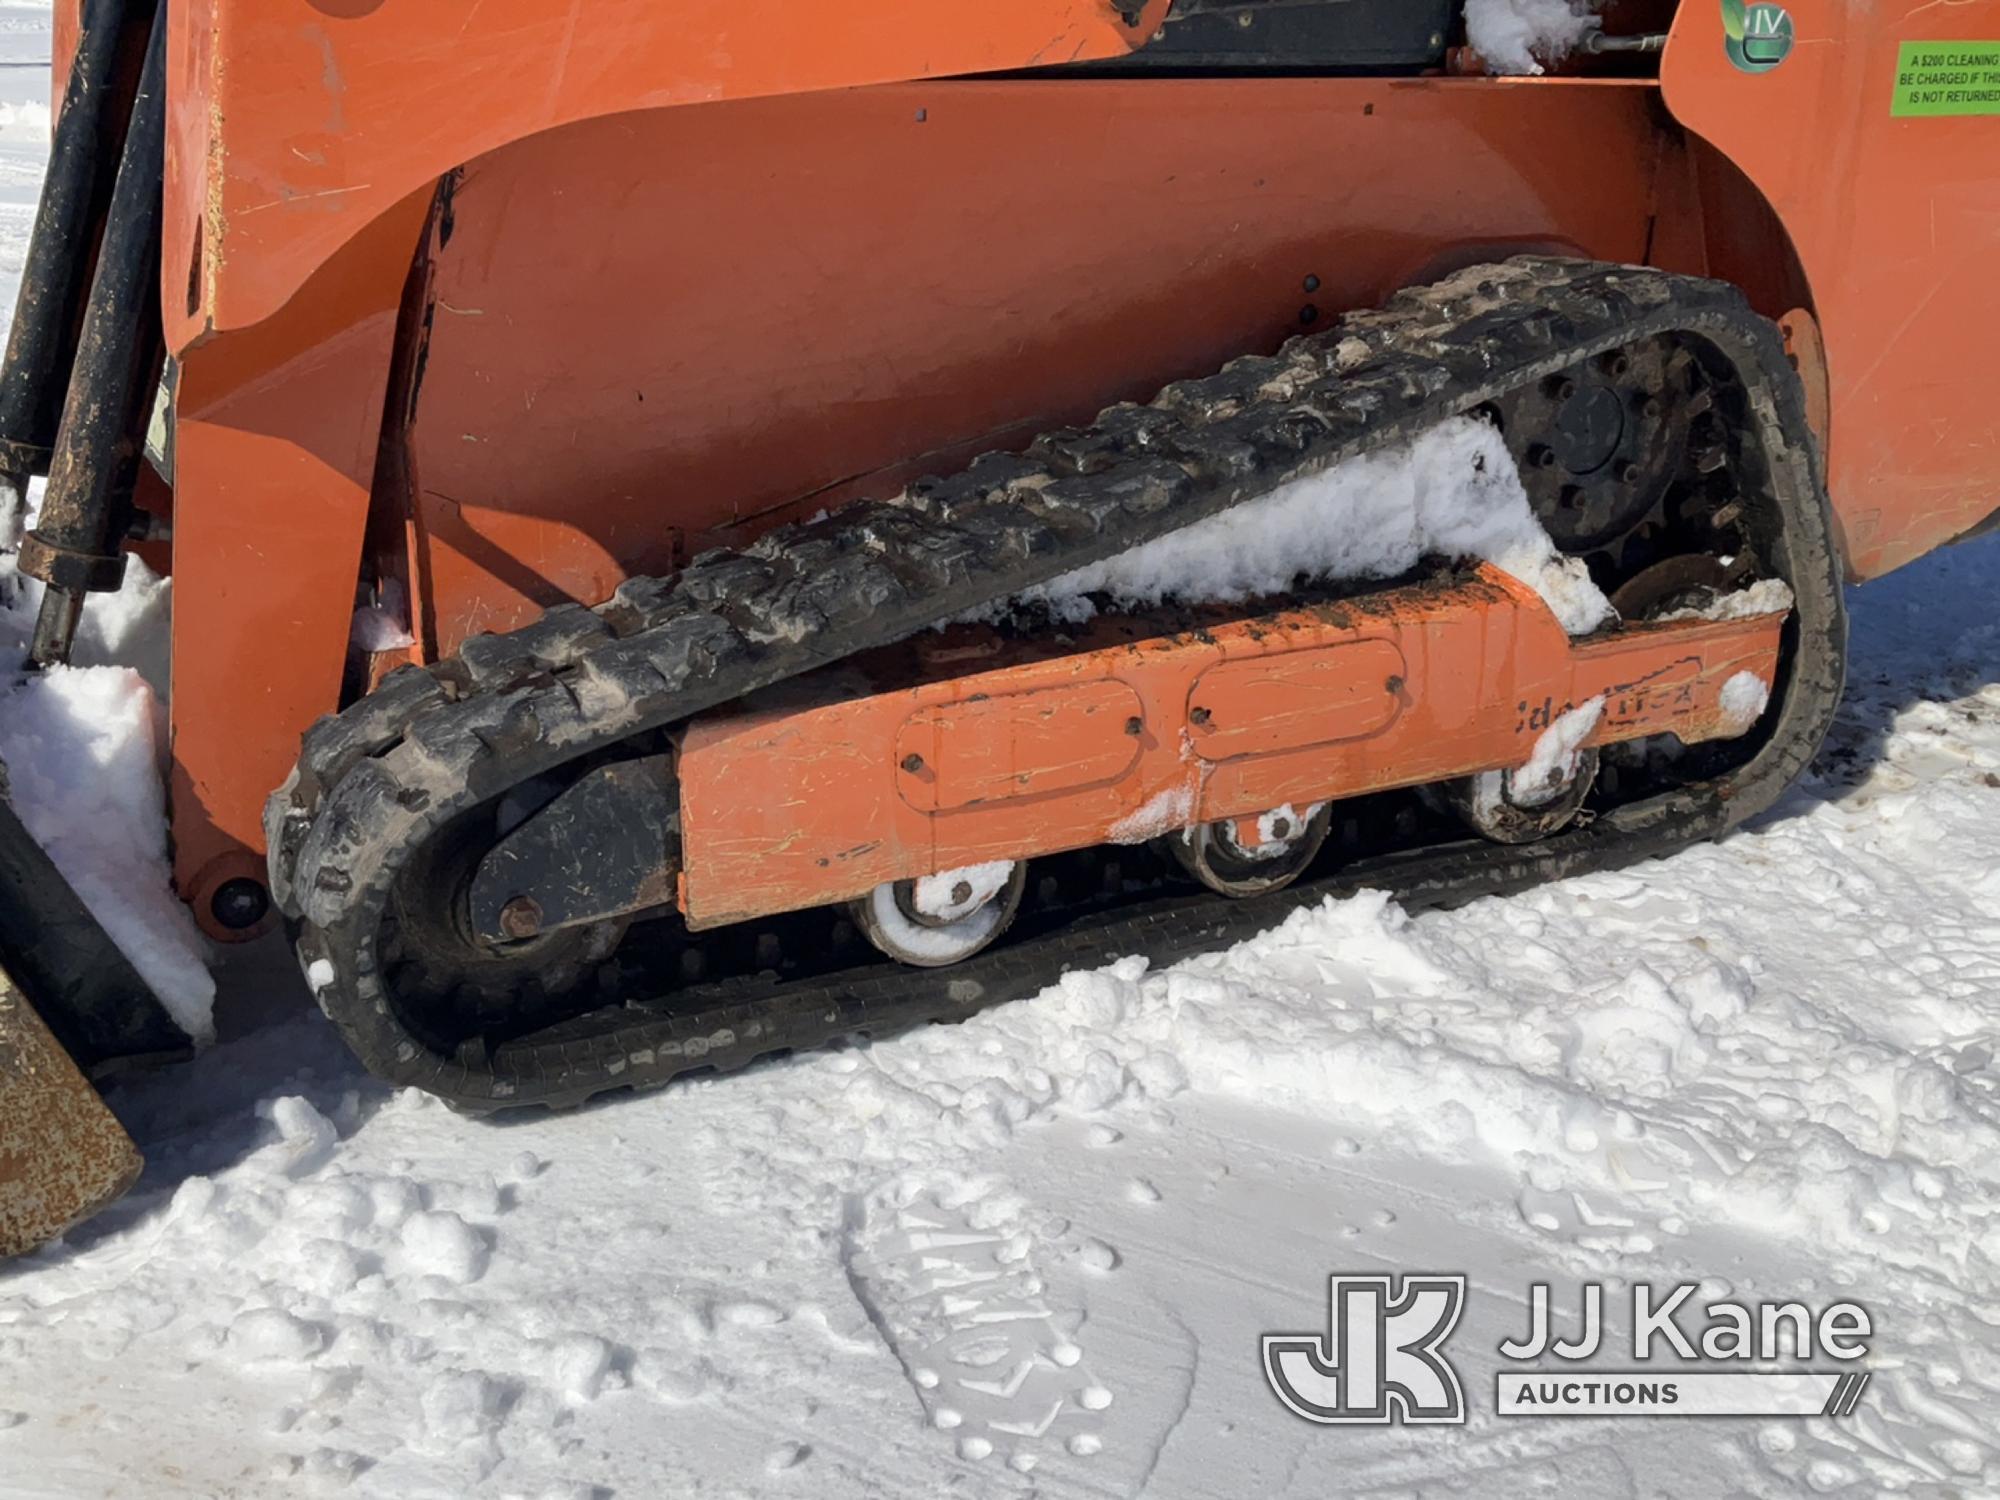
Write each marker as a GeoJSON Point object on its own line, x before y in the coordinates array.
{"type": "Point", "coordinates": [1757, 37]}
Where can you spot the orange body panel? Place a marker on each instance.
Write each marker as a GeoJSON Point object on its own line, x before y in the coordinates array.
{"type": "Point", "coordinates": [298, 122]}
{"type": "Point", "coordinates": [999, 745]}
{"type": "Point", "coordinates": [658, 331]}
{"type": "Point", "coordinates": [1296, 699]}
{"type": "Point", "coordinates": [1895, 222]}
{"type": "Point", "coordinates": [275, 444]}
{"type": "Point", "coordinates": [64, 24]}
{"type": "Point", "coordinates": [1132, 737]}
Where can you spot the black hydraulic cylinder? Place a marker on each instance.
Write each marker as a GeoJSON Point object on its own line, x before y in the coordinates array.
{"type": "Point", "coordinates": [62, 252]}
{"type": "Point", "coordinates": [77, 544]}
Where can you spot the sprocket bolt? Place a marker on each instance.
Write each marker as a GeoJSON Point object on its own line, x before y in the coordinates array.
{"type": "Point", "coordinates": [521, 917]}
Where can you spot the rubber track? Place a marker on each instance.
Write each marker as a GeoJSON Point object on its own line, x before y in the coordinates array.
{"type": "Point", "coordinates": [375, 781]}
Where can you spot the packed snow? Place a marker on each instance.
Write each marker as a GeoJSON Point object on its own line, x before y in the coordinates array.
{"type": "Point", "coordinates": [1034, 1253]}
{"type": "Point", "coordinates": [1280, 829]}
{"type": "Point", "coordinates": [1166, 811]}
{"type": "Point", "coordinates": [1454, 492]}
{"type": "Point", "coordinates": [1553, 761]}
{"type": "Point", "coordinates": [951, 894]}
{"type": "Point", "coordinates": [82, 755]}
{"type": "Point", "coordinates": [385, 624]}
{"type": "Point", "coordinates": [1767, 596]}
{"type": "Point", "coordinates": [964, 924]}
{"type": "Point", "coordinates": [1744, 697]}
{"type": "Point", "coordinates": [1528, 36]}
{"type": "Point", "coordinates": [84, 752]}
{"type": "Point", "coordinates": [25, 123]}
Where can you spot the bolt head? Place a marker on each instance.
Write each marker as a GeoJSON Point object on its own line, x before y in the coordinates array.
{"type": "Point", "coordinates": [240, 904]}
{"type": "Point", "coordinates": [521, 917]}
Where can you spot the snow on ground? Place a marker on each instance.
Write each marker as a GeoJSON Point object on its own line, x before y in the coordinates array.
{"type": "Point", "coordinates": [24, 124]}
{"type": "Point", "coordinates": [1034, 1253]}
{"type": "Point", "coordinates": [83, 748]}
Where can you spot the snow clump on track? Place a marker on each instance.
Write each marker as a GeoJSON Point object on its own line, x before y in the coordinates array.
{"type": "Point", "coordinates": [1520, 36]}
{"type": "Point", "coordinates": [1452, 492]}
{"type": "Point", "coordinates": [1554, 759]}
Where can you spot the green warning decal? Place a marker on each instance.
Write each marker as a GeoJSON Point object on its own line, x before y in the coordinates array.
{"type": "Point", "coordinates": [1947, 78]}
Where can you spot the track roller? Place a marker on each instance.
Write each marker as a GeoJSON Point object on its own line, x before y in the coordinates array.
{"type": "Point", "coordinates": [1254, 855]}
{"type": "Point", "coordinates": [940, 919]}
{"type": "Point", "coordinates": [1495, 805]}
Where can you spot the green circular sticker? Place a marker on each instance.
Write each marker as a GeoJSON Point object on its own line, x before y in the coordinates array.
{"type": "Point", "coordinates": [1758, 37]}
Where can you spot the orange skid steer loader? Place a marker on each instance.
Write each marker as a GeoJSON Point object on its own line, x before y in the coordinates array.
{"type": "Point", "coordinates": [660, 498]}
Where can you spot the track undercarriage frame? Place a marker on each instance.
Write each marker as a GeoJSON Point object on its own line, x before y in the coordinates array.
{"type": "Point", "coordinates": [520, 998]}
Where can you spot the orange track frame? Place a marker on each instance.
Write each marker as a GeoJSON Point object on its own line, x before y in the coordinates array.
{"type": "Point", "coordinates": [729, 364]}
{"type": "Point", "coordinates": [1129, 738]}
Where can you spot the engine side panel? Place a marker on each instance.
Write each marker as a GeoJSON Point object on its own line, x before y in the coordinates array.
{"type": "Point", "coordinates": [658, 331]}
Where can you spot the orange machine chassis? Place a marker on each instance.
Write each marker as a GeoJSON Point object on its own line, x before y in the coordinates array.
{"type": "Point", "coordinates": [1138, 735]}
{"type": "Point", "coordinates": [481, 305]}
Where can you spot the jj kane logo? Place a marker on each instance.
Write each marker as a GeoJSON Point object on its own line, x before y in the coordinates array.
{"type": "Point", "coordinates": [1381, 1358]}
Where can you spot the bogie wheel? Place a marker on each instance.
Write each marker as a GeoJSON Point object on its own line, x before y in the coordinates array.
{"type": "Point", "coordinates": [1688, 581]}
{"type": "Point", "coordinates": [1251, 856]}
{"type": "Point", "coordinates": [944, 918]}
{"type": "Point", "coordinates": [1495, 805]}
